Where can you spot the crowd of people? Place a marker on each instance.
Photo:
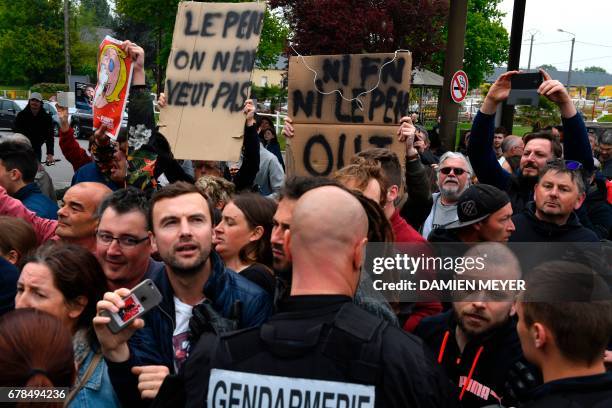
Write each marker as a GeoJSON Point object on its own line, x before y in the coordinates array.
{"type": "Point", "coordinates": [262, 274]}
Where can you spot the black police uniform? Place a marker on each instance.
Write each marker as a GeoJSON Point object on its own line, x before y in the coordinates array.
{"type": "Point", "coordinates": [318, 337]}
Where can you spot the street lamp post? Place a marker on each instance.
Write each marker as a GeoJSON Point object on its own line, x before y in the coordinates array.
{"type": "Point", "coordinates": [569, 73]}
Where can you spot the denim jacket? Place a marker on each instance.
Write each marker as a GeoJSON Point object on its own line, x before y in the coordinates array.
{"type": "Point", "coordinates": [98, 390]}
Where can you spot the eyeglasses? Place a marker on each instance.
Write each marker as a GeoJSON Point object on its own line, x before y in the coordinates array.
{"type": "Point", "coordinates": [570, 165]}
{"type": "Point", "coordinates": [456, 170]}
{"type": "Point", "coordinates": [125, 241]}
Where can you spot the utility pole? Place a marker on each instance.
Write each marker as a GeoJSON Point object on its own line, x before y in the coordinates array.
{"type": "Point", "coordinates": [569, 72]}
{"type": "Point", "coordinates": [67, 69]}
{"type": "Point", "coordinates": [532, 33]}
{"type": "Point", "coordinates": [453, 62]}
{"type": "Point", "coordinates": [516, 37]}
{"type": "Point", "coordinates": [530, 49]}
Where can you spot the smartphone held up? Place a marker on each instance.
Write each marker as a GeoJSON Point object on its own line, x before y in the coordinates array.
{"type": "Point", "coordinates": [143, 298]}
{"type": "Point", "coordinates": [524, 89]}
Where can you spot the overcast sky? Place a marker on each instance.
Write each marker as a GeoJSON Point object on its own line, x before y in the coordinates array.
{"type": "Point", "coordinates": [590, 20]}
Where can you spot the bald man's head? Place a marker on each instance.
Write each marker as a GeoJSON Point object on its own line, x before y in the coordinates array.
{"type": "Point", "coordinates": [328, 230]}
{"type": "Point", "coordinates": [77, 217]}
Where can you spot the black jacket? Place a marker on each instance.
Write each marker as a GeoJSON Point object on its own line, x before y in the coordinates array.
{"type": "Point", "coordinates": [39, 129]}
{"type": "Point", "coordinates": [531, 229]}
{"type": "Point", "coordinates": [596, 212]}
{"type": "Point", "coordinates": [501, 350]}
{"type": "Point", "coordinates": [317, 337]}
{"type": "Point", "coordinates": [594, 391]}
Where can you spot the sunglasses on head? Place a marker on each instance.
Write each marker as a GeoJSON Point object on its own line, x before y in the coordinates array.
{"type": "Point", "coordinates": [570, 165]}
{"type": "Point", "coordinates": [456, 170]}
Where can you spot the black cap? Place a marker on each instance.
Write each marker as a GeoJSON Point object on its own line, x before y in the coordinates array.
{"type": "Point", "coordinates": [477, 203]}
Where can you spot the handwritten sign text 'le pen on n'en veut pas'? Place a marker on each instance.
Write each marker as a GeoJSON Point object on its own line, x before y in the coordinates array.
{"type": "Point", "coordinates": [208, 78]}
{"type": "Point", "coordinates": [329, 130]}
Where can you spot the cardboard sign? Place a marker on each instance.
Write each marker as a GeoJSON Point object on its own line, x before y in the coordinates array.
{"type": "Point", "coordinates": [111, 93]}
{"type": "Point", "coordinates": [320, 149]}
{"type": "Point", "coordinates": [240, 389]}
{"type": "Point", "coordinates": [208, 78]}
{"type": "Point", "coordinates": [330, 130]}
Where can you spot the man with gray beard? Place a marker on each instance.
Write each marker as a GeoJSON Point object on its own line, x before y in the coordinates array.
{"type": "Point", "coordinates": [453, 178]}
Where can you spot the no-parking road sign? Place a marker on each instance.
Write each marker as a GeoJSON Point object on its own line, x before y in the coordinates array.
{"type": "Point", "coordinates": [459, 86]}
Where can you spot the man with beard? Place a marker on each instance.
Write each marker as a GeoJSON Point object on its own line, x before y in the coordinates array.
{"type": "Point", "coordinates": [453, 174]}
{"type": "Point", "coordinates": [197, 292]}
{"type": "Point", "coordinates": [539, 148]}
{"type": "Point", "coordinates": [551, 217]}
{"type": "Point", "coordinates": [476, 341]}
{"type": "Point", "coordinates": [319, 347]}
{"type": "Point", "coordinates": [498, 138]}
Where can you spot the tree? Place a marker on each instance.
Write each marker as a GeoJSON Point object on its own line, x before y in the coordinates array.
{"type": "Point", "coordinates": [595, 69]}
{"type": "Point", "coordinates": [159, 16]}
{"type": "Point", "coordinates": [98, 11]}
{"type": "Point", "coordinates": [548, 67]}
{"type": "Point", "coordinates": [486, 40]}
{"type": "Point", "coordinates": [366, 26]}
{"type": "Point", "coordinates": [31, 41]}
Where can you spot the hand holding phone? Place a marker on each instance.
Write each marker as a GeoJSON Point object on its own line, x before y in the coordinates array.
{"type": "Point", "coordinates": [118, 318]}
{"type": "Point", "coordinates": [524, 89]}
{"type": "Point", "coordinates": [143, 298]}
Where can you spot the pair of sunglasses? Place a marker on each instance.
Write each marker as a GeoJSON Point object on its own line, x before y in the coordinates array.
{"type": "Point", "coordinates": [456, 170]}
{"type": "Point", "coordinates": [570, 165]}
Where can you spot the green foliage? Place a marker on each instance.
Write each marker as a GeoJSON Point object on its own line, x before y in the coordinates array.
{"type": "Point", "coordinates": [48, 89]}
{"type": "Point", "coordinates": [97, 13]}
{"type": "Point", "coordinates": [156, 19]}
{"type": "Point", "coordinates": [548, 67]}
{"type": "Point", "coordinates": [274, 93]}
{"type": "Point", "coordinates": [486, 40]}
{"type": "Point", "coordinates": [273, 37]}
{"type": "Point", "coordinates": [31, 41]}
{"type": "Point", "coordinates": [595, 69]}
{"type": "Point", "coordinates": [538, 117]}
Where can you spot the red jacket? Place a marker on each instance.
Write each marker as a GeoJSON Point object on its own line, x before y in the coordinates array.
{"type": "Point", "coordinates": [405, 233]}
{"type": "Point", "coordinates": [72, 151]}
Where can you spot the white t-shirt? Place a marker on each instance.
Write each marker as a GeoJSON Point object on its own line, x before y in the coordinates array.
{"type": "Point", "coordinates": [180, 336]}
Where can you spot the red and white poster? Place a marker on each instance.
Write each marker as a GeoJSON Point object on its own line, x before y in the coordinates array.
{"type": "Point", "coordinates": [114, 78]}
{"type": "Point", "coordinates": [459, 86]}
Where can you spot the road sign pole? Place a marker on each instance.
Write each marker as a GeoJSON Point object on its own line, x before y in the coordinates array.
{"type": "Point", "coordinates": [453, 61]}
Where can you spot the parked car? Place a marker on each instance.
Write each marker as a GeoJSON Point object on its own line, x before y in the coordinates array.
{"type": "Point", "coordinates": [81, 121]}
{"type": "Point", "coordinates": [8, 112]}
